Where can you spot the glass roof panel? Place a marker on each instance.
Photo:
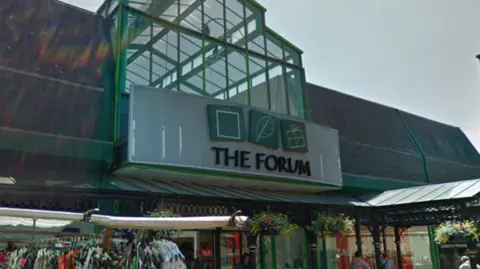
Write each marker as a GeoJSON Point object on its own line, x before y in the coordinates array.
{"type": "Point", "coordinates": [397, 199]}
{"type": "Point", "coordinates": [235, 25]}
{"type": "Point", "coordinates": [274, 46]}
{"type": "Point", "coordinates": [384, 197]}
{"type": "Point", "coordinates": [435, 192]}
{"type": "Point", "coordinates": [193, 20]}
{"type": "Point", "coordinates": [456, 190]}
{"type": "Point", "coordinates": [236, 67]}
{"type": "Point", "coordinates": [213, 19]}
{"type": "Point", "coordinates": [438, 191]}
{"type": "Point", "coordinates": [471, 191]}
{"type": "Point", "coordinates": [424, 190]}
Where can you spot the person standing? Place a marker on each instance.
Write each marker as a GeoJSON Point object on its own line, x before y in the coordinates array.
{"type": "Point", "coordinates": [199, 262]}
{"type": "Point", "coordinates": [245, 264]}
{"type": "Point", "coordinates": [386, 262]}
{"type": "Point", "coordinates": [358, 262]}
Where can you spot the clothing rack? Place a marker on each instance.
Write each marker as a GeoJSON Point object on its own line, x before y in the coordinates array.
{"type": "Point", "coordinates": [235, 221]}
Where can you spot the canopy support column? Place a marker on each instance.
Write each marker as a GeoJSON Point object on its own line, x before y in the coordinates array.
{"type": "Point", "coordinates": [376, 245]}
{"type": "Point", "coordinates": [358, 234]}
{"type": "Point", "coordinates": [313, 250]}
{"type": "Point", "coordinates": [384, 239]}
{"type": "Point", "coordinates": [398, 247]}
{"type": "Point", "coordinates": [217, 262]}
{"type": "Point", "coordinates": [252, 248]}
{"type": "Point", "coordinates": [107, 239]}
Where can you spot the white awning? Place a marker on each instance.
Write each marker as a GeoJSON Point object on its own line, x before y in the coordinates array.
{"type": "Point", "coordinates": [40, 214]}
{"type": "Point", "coordinates": [183, 223]}
{"type": "Point", "coordinates": [29, 223]}
{"type": "Point", "coordinates": [52, 218]}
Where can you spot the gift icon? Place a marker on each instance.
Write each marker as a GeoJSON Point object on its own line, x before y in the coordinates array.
{"type": "Point", "coordinates": [295, 137]}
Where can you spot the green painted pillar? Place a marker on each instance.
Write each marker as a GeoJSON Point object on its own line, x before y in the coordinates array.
{"type": "Point", "coordinates": [263, 253]}
{"type": "Point", "coordinates": [273, 247]}
{"type": "Point", "coordinates": [433, 248]}
{"type": "Point", "coordinates": [120, 64]}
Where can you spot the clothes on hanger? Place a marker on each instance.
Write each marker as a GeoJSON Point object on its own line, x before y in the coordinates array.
{"type": "Point", "coordinates": [91, 257]}
{"type": "Point", "coordinates": [4, 260]}
{"type": "Point", "coordinates": [159, 254]}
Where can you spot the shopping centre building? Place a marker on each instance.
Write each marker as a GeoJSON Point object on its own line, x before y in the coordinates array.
{"type": "Point", "coordinates": [198, 107]}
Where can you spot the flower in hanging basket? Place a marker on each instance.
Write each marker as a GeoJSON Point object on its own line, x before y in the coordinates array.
{"type": "Point", "coordinates": [450, 230]}
{"type": "Point", "coordinates": [271, 224]}
{"type": "Point", "coordinates": [325, 224]}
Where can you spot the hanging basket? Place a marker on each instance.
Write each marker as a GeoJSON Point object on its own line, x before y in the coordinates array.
{"type": "Point", "coordinates": [455, 232]}
{"type": "Point", "coordinates": [271, 224]}
{"type": "Point", "coordinates": [326, 225]}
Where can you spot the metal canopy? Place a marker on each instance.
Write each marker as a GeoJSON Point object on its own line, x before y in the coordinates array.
{"type": "Point", "coordinates": [426, 194]}
{"type": "Point", "coordinates": [226, 192]}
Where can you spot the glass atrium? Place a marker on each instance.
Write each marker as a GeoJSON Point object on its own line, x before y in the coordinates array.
{"type": "Point", "coordinates": [216, 48]}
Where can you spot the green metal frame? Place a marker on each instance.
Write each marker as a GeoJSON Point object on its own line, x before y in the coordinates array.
{"type": "Point", "coordinates": [273, 247]}
{"type": "Point", "coordinates": [306, 253]}
{"type": "Point", "coordinates": [434, 253]}
{"type": "Point", "coordinates": [417, 144]}
{"type": "Point", "coordinates": [124, 36]}
{"type": "Point", "coordinates": [263, 252]}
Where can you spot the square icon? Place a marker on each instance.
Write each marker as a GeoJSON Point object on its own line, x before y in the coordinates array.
{"type": "Point", "coordinates": [226, 123]}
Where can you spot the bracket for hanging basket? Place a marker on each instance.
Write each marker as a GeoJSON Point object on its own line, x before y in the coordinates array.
{"type": "Point", "coordinates": [87, 215]}
{"type": "Point", "coordinates": [231, 221]}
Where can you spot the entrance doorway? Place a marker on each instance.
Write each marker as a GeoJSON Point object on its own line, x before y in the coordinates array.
{"type": "Point", "coordinates": [188, 243]}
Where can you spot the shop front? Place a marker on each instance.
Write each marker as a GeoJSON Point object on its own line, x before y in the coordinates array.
{"type": "Point", "coordinates": [201, 156]}
{"type": "Point", "coordinates": [44, 239]}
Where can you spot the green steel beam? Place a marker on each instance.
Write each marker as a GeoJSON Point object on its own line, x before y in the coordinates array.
{"type": "Point", "coordinates": [161, 55]}
{"type": "Point", "coordinates": [120, 67]}
{"type": "Point", "coordinates": [265, 49]}
{"type": "Point", "coordinates": [194, 33]}
{"type": "Point", "coordinates": [243, 80]}
{"type": "Point", "coordinates": [221, 54]}
{"type": "Point", "coordinates": [155, 83]}
{"type": "Point", "coordinates": [249, 81]}
{"type": "Point", "coordinates": [273, 249]}
{"type": "Point", "coordinates": [154, 51]}
{"type": "Point", "coordinates": [212, 45]}
{"type": "Point", "coordinates": [154, 8]}
{"type": "Point", "coordinates": [435, 256]}
{"type": "Point", "coordinates": [417, 144]}
{"type": "Point", "coordinates": [263, 253]}
{"type": "Point", "coordinates": [307, 252]}
{"type": "Point", "coordinates": [165, 31]}
{"type": "Point", "coordinates": [190, 85]}
{"type": "Point", "coordinates": [283, 40]}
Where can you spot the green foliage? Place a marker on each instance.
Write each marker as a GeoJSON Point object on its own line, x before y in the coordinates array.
{"type": "Point", "coordinates": [162, 214]}
{"type": "Point", "coordinates": [271, 222]}
{"type": "Point", "coordinates": [325, 224]}
{"type": "Point", "coordinates": [445, 231]}
{"type": "Point", "coordinates": [160, 233]}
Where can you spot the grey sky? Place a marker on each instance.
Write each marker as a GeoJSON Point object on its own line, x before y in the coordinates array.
{"type": "Point", "coordinates": [414, 55]}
